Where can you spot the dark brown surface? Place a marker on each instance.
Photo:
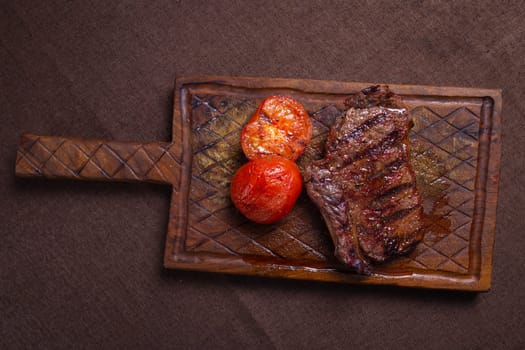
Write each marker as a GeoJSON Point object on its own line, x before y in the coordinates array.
{"type": "Point", "coordinates": [80, 266]}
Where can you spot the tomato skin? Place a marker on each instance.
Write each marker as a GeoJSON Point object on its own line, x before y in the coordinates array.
{"type": "Point", "coordinates": [266, 189]}
{"type": "Point", "coordinates": [280, 126]}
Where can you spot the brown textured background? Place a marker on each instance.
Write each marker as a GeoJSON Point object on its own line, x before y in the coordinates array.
{"type": "Point", "coordinates": [81, 263]}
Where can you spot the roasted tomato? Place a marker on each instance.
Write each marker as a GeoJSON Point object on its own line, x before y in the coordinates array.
{"type": "Point", "coordinates": [266, 189]}
{"type": "Point", "coordinates": [280, 126]}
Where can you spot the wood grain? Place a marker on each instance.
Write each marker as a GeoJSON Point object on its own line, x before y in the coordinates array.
{"type": "Point", "coordinates": [455, 152]}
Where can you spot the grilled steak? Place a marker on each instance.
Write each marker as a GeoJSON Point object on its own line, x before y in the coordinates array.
{"type": "Point", "coordinates": [364, 186]}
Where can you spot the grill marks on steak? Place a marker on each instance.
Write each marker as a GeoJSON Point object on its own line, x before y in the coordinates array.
{"type": "Point", "coordinates": [364, 186]}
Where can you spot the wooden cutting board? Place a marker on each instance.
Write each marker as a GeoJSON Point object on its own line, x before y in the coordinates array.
{"type": "Point", "coordinates": [455, 144]}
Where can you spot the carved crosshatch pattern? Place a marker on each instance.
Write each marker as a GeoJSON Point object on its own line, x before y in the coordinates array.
{"type": "Point", "coordinates": [449, 139]}
{"type": "Point", "coordinates": [49, 156]}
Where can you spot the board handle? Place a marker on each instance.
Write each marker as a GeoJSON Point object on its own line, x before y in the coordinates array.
{"type": "Point", "coordinates": [89, 159]}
